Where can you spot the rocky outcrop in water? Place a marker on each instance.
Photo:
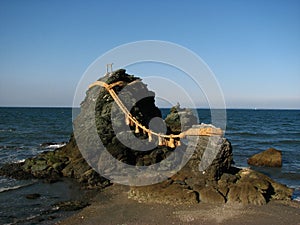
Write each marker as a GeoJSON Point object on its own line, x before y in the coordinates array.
{"type": "Point", "coordinates": [268, 158]}
{"type": "Point", "coordinates": [180, 120]}
{"type": "Point", "coordinates": [208, 175]}
{"type": "Point", "coordinates": [51, 166]}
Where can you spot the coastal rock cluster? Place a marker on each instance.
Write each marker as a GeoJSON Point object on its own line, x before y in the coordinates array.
{"type": "Point", "coordinates": [235, 186]}
{"type": "Point", "coordinates": [206, 177]}
{"type": "Point", "coordinates": [51, 166]}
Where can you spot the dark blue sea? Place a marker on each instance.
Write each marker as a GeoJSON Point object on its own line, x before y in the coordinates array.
{"type": "Point", "coordinates": [25, 132]}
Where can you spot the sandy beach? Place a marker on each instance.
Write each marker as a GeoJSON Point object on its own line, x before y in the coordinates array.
{"type": "Point", "coordinates": [113, 207]}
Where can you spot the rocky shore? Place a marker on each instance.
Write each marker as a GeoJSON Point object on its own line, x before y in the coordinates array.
{"type": "Point", "coordinates": [197, 182]}
{"type": "Point", "coordinates": [112, 206]}
{"type": "Point", "coordinates": [51, 166]}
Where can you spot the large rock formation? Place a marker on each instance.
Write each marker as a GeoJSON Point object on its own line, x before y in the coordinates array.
{"type": "Point", "coordinates": [206, 177]}
{"type": "Point", "coordinates": [110, 121]}
{"type": "Point", "coordinates": [269, 158]}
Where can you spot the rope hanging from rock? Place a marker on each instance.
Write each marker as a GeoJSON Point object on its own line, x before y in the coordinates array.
{"type": "Point", "coordinates": [171, 140]}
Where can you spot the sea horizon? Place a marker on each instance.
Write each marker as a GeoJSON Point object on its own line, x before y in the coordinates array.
{"type": "Point", "coordinates": [229, 108]}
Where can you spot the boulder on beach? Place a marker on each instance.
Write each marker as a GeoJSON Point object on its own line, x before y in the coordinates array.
{"type": "Point", "coordinates": [252, 187]}
{"type": "Point", "coordinates": [236, 186]}
{"type": "Point", "coordinates": [268, 158]}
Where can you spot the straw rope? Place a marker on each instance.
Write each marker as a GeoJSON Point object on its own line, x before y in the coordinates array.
{"type": "Point", "coordinates": [170, 140]}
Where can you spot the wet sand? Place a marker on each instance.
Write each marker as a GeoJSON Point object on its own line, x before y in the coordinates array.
{"type": "Point", "coordinates": [113, 207]}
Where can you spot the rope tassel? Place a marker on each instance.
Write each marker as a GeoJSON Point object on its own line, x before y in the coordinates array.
{"type": "Point", "coordinates": [160, 141]}
{"type": "Point", "coordinates": [137, 130]}
{"type": "Point", "coordinates": [131, 123]}
{"type": "Point", "coordinates": [127, 120]}
{"type": "Point", "coordinates": [149, 136]}
{"type": "Point", "coordinates": [171, 143]}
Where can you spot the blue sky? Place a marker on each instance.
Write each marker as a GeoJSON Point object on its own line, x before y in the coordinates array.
{"type": "Point", "coordinates": [253, 47]}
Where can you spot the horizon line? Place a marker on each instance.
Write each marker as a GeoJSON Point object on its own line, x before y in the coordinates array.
{"type": "Point", "coordinates": [234, 108]}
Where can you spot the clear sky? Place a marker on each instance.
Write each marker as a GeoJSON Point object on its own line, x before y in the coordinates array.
{"type": "Point", "coordinates": [253, 47]}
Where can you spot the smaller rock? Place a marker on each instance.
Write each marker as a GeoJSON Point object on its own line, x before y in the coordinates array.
{"type": "Point", "coordinates": [33, 196]}
{"type": "Point", "coordinates": [268, 158]}
{"type": "Point", "coordinates": [180, 119]}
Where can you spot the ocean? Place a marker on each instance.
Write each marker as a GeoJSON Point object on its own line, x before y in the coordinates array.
{"type": "Point", "coordinates": [25, 132]}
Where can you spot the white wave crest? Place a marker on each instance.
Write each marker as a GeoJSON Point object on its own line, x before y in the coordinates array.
{"type": "Point", "coordinates": [51, 145]}
{"type": "Point", "coordinates": [19, 161]}
{"type": "Point", "coordinates": [4, 189]}
{"type": "Point", "coordinates": [56, 145]}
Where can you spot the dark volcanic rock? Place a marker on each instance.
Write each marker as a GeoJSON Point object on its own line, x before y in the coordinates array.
{"type": "Point", "coordinates": [110, 122]}
{"type": "Point", "coordinates": [180, 120]}
{"type": "Point", "coordinates": [268, 158]}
